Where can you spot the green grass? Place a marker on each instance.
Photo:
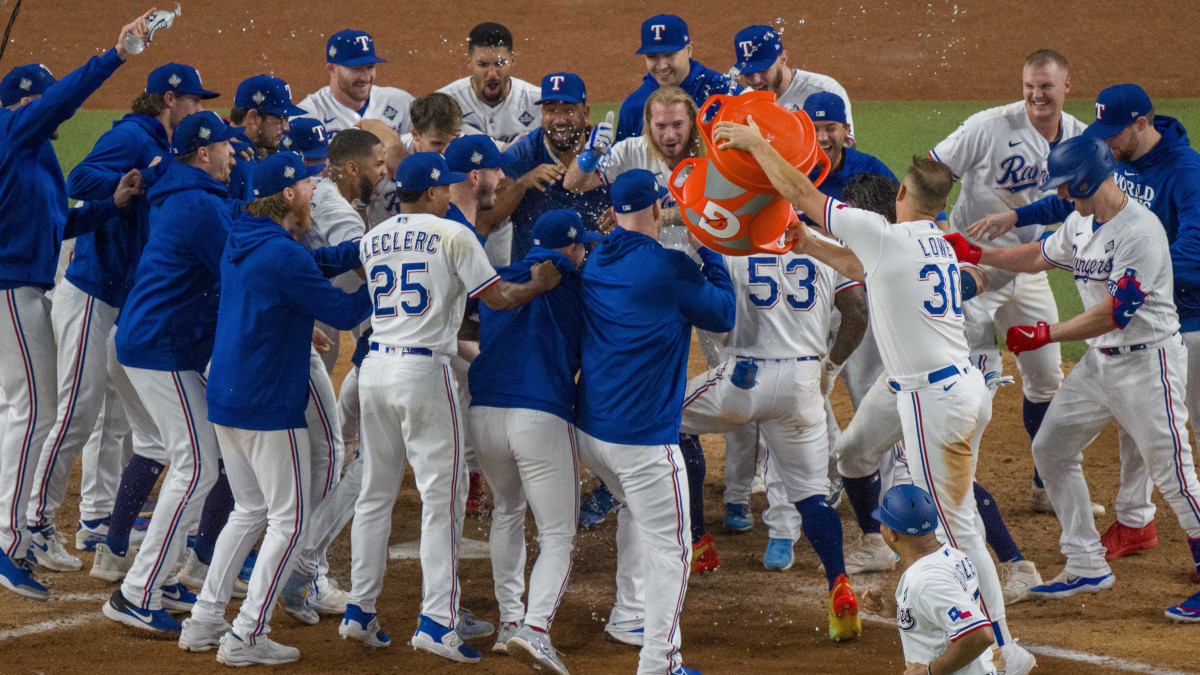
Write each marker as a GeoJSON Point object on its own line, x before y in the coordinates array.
{"type": "Point", "coordinates": [892, 131]}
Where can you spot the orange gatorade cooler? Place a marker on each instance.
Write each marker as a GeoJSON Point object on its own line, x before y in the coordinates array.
{"type": "Point", "coordinates": [725, 198]}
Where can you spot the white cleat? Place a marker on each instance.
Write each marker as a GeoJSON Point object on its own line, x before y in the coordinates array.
{"type": "Point", "coordinates": [442, 641]}
{"type": "Point", "coordinates": [1016, 578]}
{"type": "Point", "coordinates": [192, 572]}
{"type": "Point", "coordinates": [264, 651]}
{"type": "Point", "coordinates": [1017, 660]}
{"type": "Point", "coordinates": [533, 648]}
{"type": "Point", "coordinates": [327, 598]}
{"type": "Point", "coordinates": [503, 634]}
{"type": "Point", "coordinates": [46, 549]}
{"type": "Point", "coordinates": [870, 554]}
{"type": "Point", "coordinates": [109, 566]}
{"type": "Point", "coordinates": [198, 636]}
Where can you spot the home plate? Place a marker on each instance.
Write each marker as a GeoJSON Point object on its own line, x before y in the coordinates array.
{"type": "Point", "coordinates": [468, 549]}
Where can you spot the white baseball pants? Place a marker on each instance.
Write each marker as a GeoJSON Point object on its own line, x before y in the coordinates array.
{"type": "Point", "coordinates": [348, 410]}
{"type": "Point", "coordinates": [873, 431]}
{"type": "Point", "coordinates": [781, 517]}
{"type": "Point", "coordinates": [410, 411]}
{"type": "Point", "coordinates": [1143, 390]}
{"type": "Point", "coordinates": [528, 458]}
{"type": "Point", "coordinates": [325, 461]}
{"type": "Point", "coordinates": [143, 432]}
{"type": "Point", "coordinates": [654, 549]}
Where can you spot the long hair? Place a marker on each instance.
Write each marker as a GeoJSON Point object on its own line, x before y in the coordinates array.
{"type": "Point", "coordinates": [670, 96]}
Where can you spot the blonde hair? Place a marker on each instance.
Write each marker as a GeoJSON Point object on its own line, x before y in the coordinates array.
{"type": "Point", "coordinates": [275, 207]}
{"type": "Point", "coordinates": [669, 96]}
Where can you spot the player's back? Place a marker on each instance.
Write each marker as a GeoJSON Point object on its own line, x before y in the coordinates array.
{"type": "Point", "coordinates": [937, 602]}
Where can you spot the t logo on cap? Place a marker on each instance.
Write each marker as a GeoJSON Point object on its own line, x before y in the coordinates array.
{"type": "Point", "coordinates": [1100, 110]}
{"type": "Point", "coordinates": [365, 41]}
{"type": "Point", "coordinates": [746, 45]}
{"type": "Point", "coordinates": [556, 81]}
{"type": "Point", "coordinates": [658, 29]}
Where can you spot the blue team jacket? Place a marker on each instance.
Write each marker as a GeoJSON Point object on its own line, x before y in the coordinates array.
{"type": "Point", "coordinates": [104, 262]}
{"type": "Point", "coordinates": [271, 291]}
{"type": "Point", "coordinates": [170, 316]}
{"type": "Point", "coordinates": [700, 84]}
{"type": "Point", "coordinates": [33, 197]}
{"type": "Point", "coordinates": [241, 183]}
{"type": "Point", "coordinates": [528, 356]}
{"type": "Point", "coordinates": [640, 302]}
{"type": "Point", "coordinates": [855, 162]}
{"type": "Point", "coordinates": [1165, 180]}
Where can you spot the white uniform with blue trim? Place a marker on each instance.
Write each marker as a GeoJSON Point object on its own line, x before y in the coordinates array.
{"type": "Point", "coordinates": [937, 602]}
{"type": "Point", "coordinates": [515, 116]}
{"type": "Point", "coordinates": [1135, 375]}
{"type": "Point", "coordinates": [805, 84]}
{"type": "Point", "coordinates": [421, 269]}
{"type": "Point", "coordinates": [386, 104]}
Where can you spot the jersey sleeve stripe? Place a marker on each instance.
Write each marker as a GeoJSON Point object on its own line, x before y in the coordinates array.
{"type": "Point", "coordinates": [481, 287]}
{"type": "Point", "coordinates": [1051, 260]}
{"type": "Point", "coordinates": [982, 623]}
{"type": "Point", "coordinates": [828, 212]}
{"type": "Point", "coordinates": [850, 283]}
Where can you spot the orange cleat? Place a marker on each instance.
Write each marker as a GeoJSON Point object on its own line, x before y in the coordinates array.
{"type": "Point", "coordinates": [844, 623]}
{"type": "Point", "coordinates": [1121, 540]}
{"type": "Point", "coordinates": [477, 499]}
{"type": "Point", "coordinates": [704, 555]}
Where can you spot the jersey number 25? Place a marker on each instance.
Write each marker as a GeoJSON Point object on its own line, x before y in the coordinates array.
{"type": "Point", "coordinates": [385, 282]}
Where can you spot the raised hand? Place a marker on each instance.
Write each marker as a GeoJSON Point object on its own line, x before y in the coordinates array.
{"type": "Point", "coordinates": [993, 226]}
{"type": "Point", "coordinates": [137, 28]}
{"type": "Point", "coordinates": [598, 145]}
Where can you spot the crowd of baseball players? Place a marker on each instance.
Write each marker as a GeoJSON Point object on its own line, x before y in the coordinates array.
{"type": "Point", "coordinates": [521, 290]}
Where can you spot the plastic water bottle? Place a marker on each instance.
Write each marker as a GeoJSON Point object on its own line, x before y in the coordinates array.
{"type": "Point", "coordinates": [163, 18]}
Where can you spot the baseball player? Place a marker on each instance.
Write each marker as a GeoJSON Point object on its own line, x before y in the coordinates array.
{"type": "Point", "coordinates": [261, 106]}
{"type": "Point", "coordinates": [667, 47]}
{"type": "Point", "coordinates": [1119, 254]}
{"type": "Point", "coordinates": [916, 307]}
{"type": "Point", "coordinates": [997, 154]}
{"type": "Point", "coordinates": [519, 417]}
{"type": "Point", "coordinates": [352, 95]}
{"type": "Point", "coordinates": [421, 269]}
{"type": "Point", "coordinates": [942, 627]}
{"type": "Point", "coordinates": [84, 311]}
{"type": "Point", "coordinates": [772, 378]}
{"type": "Point", "coordinates": [640, 301]}
{"type": "Point", "coordinates": [163, 342]}
{"type": "Point", "coordinates": [493, 102]}
{"type": "Point", "coordinates": [271, 291]}
{"type": "Point", "coordinates": [436, 121]}
{"type": "Point", "coordinates": [483, 164]}
{"type": "Point", "coordinates": [32, 191]}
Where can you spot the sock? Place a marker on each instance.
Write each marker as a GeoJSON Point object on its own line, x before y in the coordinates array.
{"type": "Point", "coordinates": [693, 463]}
{"type": "Point", "coordinates": [1034, 413]}
{"type": "Point", "coordinates": [823, 529]}
{"type": "Point", "coordinates": [994, 529]}
{"type": "Point", "coordinates": [863, 494]}
{"type": "Point", "coordinates": [217, 507]}
{"type": "Point", "coordinates": [1195, 546]}
{"type": "Point", "coordinates": [137, 481]}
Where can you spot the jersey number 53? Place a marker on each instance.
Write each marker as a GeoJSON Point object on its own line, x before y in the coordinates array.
{"type": "Point", "coordinates": [801, 270]}
{"type": "Point", "coordinates": [413, 299]}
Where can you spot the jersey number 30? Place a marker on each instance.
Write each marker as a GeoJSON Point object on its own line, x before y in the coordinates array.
{"type": "Point", "coordinates": [945, 290]}
{"type": "Point", "coordinates": [385, 282]}
{"type": "Point", "coordinates": [801, 269]}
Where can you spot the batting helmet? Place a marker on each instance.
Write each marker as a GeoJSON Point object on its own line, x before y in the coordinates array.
{"type": "Point", "coordinates": [1083, 163]}
{"type": "Point", "coordinates": [907, 509]}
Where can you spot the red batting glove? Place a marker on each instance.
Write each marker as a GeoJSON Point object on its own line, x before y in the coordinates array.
{"type": "Point", "coordinates": [965, 250]}
{"type": "Point", "coordinates": [1027, 338]}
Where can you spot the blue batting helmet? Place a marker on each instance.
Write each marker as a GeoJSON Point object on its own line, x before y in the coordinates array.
{"type": "Point", "coordinates": [1083, 163]}
{"type": "Point", "coordinates": [907, 509]}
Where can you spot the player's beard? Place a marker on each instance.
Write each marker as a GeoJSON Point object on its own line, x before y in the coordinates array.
{"type": "Point", "coordinates": [303, 214]}
{"type": "Point", "coordinates": [492, 91]}
{"type": "Point", "coordinates": [564, 137]}
{"type": "Point", "coordinates": [366, 188]}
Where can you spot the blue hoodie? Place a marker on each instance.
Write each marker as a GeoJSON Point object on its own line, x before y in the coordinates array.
{"type": "Point", "coordinates": [1165, 180]}
{"type": "Point", "coordinates": [170, 315]}
{"type": "Point", "coordinates": [241, 183]}
{"type": "Point", "coordinates": [528, 356]}
{"type": "Point", "coordinates": [33, 197]}
{"type": "Point", "coordinates": [700, 84]}
{"type": "Point", "coordinates": [104, 262]}
{"type": "Point", "coordinates": [640, 302]}
{"type": "Point", "coordinates": [272, 289]}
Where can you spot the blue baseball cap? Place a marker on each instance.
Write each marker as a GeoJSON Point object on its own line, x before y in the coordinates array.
{"type": "Point", "coordinates": [561, 227]}
{"type": "Point", "coordinates": [476, 151]}
{"type": "Point", "coordinates": [907, 509]}
{"type": "Point", "coordinates": [635, 190]}
{"type": "Point", "coordinates": [663, 34]}
{"type": "Point", "coordinates": [177, 78]}
{"type": "Point", "coordinates": [351, 48]}
{"type": "Point", "coordinates": [279, 171]}
{"type": "Point", "coordinates": [1117, 107]}
{"type": "Point", "coordinates": [27, 80]}
{"type": "Point", "coordinates": [825, 106]}
{"type": "Point", "coordinates": [200, 129]}
{"type": "Point", "coordinates": [267, 94]}
{"type": "Point", "coordinates": [565, 87]}
{"type": "Point", "coordinates": [756, 48]}
{"type": "Point", "coordinates": [308, 137]}
{"type": "Point", "coordinates": [423, 170]}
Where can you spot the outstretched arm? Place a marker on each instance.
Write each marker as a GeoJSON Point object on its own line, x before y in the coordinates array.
{"type": "Point", "coordinates": [793, 185]}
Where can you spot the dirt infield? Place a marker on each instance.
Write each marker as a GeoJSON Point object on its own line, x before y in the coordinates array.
{"type": "Point", "coordinates": [740, 618]}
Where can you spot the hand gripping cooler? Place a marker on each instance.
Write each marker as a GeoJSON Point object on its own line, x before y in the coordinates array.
{"type": "Point", "coordinates": [725, 197]}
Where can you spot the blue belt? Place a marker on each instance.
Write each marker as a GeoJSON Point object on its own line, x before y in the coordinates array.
{"type": "Point", "coordinates": [1114, 351]}
{"type": "Point", "coordinates": [416, 351]}
{"type": "Point", "coordinates": [934, 377]}
{"type": "Point", "coordinates": [799, 358]}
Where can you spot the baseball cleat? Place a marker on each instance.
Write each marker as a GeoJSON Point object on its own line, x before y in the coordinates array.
{"type": "Point", "coordinates": [363, 627]}
{"type": "Point", "coordinates": [738, 518]}
{"type": "Point", "coordinates": [1065, 585]}
{"type": "Point", "coordinates": [683, 670]}
{"type": "Point", "coordinates": [704, 555]}
{"type": "Point", "coordinates": [506, 631]}
{"type": "Point", "coordinates": [870, 554]}
{"type": "Point", "coordinates": [837, 488]}
{"type": "Point", "coordinates": [192, 573]}
{"type": "Point", "coordinates": [595, 507]}
{"type": "Point", "coordinates": [198, 636]}
{"type": "Point", "coordinates": [1187, 611]}
{"type": "Point", "coordinates": [265, 651]}
{"type": "Point", "coordinates": [634, 635]}
{"type": "Point", "coordinates": [778, 555]}
{"type": "Point", "coordinates": [17, 576]}
{"type": "Point", "coordinates": [1121, 540]}
{"type": "Point", "coordinates": [327, 598]}
{"type": "Point", "coordinates": [844, 623]}
{"type": "Point", "coordinates": [441, 641]}
{"type": "Point", "coordinates": [88, 533]}
{"type": "Point", "coordinates": [470, 628]}
{"type": "Point", "coordinates": [137, 534]}
{"type": "Point", "coordinates": [1039, 501]}
{"type": "Point", "coordinates": [1016, 578]}
{"type": "Point", "coordinates": [176, 597]}
{"type": "Point", "coordinates": [533, 648]}
{"type": "Point", "coordinates": [294, 599]}
{"type": "Point", "coordinates": [46, 549]}
{"type": "Point", "coordinates": [155, 620]}
{"type": "Point", "coordinates": [109, 566]}
{"type": "Point", "coordinates": [1017, 659]}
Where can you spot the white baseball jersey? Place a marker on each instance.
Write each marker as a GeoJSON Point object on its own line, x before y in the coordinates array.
{"type": "Point", "coordinates": [334, 220]}
{"type": "Point", "coordinates": [784, 304]}
{"type": "Point", "coordinates": [1132, 243]}
{"type": "Point", "coordinates": [913, 282]}
{"type": "Point", "coordinates": [937, 602]}
{"type": "Point", "coordinates": [635, 153]}
{"type": "Point", "coordinates": [805, 84]}
{"type": "Point", "coordinates": [384, 203]}
{"type": "Point", "coordinates": [387, 104]}
{"type": "Point", "coordinates": [421, 269]}
{"type": "Point", "coordinates": [517, 114]}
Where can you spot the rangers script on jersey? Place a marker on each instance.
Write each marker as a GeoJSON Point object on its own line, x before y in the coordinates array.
{"type": "Point", "coordinates": [517, 114]}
